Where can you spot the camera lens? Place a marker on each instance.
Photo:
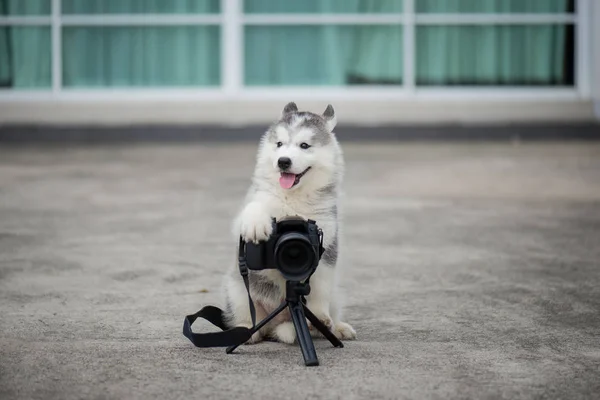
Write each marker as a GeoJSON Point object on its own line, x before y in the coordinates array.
{"type": "Point", "coordinates": [295, 256]}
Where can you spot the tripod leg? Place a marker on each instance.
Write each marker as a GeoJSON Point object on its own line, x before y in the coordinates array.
{"type": "Point", "coordinates": [303, 334]}
{"type": "Point", "coordinates": [262, 323]}
{"type": "Point", "coordinates": [322, 328]}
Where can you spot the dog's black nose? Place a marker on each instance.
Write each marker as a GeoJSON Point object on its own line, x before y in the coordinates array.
{"type": "Point", "coordinates": [284, 163]}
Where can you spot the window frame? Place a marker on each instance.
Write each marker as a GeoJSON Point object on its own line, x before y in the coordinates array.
{"type": "Point", "coordinates": [232, 21]}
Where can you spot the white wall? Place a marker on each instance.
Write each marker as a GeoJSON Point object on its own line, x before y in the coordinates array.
{"type": "Point", "coordinates": [239, 112]}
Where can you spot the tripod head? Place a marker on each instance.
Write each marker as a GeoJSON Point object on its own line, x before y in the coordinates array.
{"type": "Point", "coordinates": [296, 290]}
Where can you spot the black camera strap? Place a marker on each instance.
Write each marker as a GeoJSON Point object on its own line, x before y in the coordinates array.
{"type": "Point", "coordinates": [316, 236]}
{"type": "Point", "coordinates": [244, 272]}
{"type": "Point", "coordinates": [228, 337]}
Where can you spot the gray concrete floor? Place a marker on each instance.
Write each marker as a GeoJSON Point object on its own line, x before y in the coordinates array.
{"type": "Point", "coordinates": [472, 271]}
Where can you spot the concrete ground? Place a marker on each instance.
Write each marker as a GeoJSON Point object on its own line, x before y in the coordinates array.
{"type": "Point", "coordinates": [471, 271]}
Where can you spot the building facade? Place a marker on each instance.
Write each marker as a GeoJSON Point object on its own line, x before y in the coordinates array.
{"type": "Point", "coordinates": [236, 62]}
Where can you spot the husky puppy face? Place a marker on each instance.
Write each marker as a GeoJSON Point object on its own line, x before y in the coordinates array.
{"type": "Point", "coordinates": [300, 150]}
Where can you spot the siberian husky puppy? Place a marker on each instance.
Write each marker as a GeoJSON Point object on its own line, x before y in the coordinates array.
{"type": "Point", "coordinates": [298, 171]}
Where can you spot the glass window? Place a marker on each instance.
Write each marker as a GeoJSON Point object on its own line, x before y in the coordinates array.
{"type": "Point", "coordinates": [140, 7]}
{"type": "Point", "coordinates": [494, 6]}
{"type": "Point", "coordinates": [323, 55]}
{"type": "Point", "coordinates": [494, 55]}
{"type": "Point", "coordinates": [25, 58]}
{"type": "Point", "coordinates": [322, 6]}
{"type": "Point", "coordinates": [25, 7]}
{"type": "Point", "coordinates": [141, 56]}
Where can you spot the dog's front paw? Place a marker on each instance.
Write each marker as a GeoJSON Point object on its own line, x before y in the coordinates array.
{"type": "Point", "coordinates": [255, 224]}
{"type": "Point", "coordinates": [285, 332]}
{"type": "Point", "coordinates": [344, 331]}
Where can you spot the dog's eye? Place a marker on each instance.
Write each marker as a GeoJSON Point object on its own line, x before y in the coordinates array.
{"type": "Point", "coordinates": [304, 145]}
{"type": "Point", "coordinates": [279, 144]}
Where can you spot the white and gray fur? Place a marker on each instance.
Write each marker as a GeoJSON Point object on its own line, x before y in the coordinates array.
{"type": "Point", "coordinates": [314, 197]}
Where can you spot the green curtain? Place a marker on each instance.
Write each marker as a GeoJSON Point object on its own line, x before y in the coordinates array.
{"type": "Point", "coordinates": [492, 6]}
{"type": "Point", "coordinates": [140, 6]}
{"type": "Point", "coordinates": [319, 54]}
{"type": "Point", "coordinates": [25, 7]}
{"type": "Point", "coordinates": [492, 55]}
{"type": "Point", "coordinates": [497, 54]}
{"type": "Point", "coordinates": [25, 58]}
{"type": "Point", "coordinates": [445, 55]}
{"type": "Point", "coordinates": [177, 56]}
{"type": "Point", "coordinates": [322, 6]}
{"type": "Point", "coordinates": [182, 56]}
{"type": "Point", "coordinates": [322, 55]}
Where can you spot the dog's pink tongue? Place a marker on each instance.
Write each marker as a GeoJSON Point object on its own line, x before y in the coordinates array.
{"type": "Point", "coordinates": [287, 180]}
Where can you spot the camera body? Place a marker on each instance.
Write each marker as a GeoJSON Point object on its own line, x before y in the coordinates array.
{"type": "Point", "coordinates": [294, 248]}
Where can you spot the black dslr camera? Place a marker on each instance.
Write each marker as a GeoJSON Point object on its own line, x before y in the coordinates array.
{"type": "Point", "coordinates": [294, 248]}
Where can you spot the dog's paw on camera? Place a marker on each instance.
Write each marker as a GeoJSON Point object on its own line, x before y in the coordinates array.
{"type": "Point", "coordinates": [255, 225]}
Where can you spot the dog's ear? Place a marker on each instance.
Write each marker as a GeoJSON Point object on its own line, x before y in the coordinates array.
{"type": "Point", "coordinates": [289, 107]}
{"type": "Point", "coordinates": [329, 116]}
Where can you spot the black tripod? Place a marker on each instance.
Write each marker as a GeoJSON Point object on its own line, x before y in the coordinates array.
{"type": "Point", "coordinates": [294, 301]}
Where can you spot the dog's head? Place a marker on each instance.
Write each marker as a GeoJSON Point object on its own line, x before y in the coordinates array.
{"type": "Point", "coordinates": [300, 150]}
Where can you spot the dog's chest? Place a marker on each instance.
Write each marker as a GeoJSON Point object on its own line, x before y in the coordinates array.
{"type": "Point", "coordinates": [290, 206]}
{"type": "Point", "coordinates": [324, 214]}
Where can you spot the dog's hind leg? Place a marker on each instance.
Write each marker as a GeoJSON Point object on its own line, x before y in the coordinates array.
{"type": "Point", "coordinates": [318, 301]}
{"type": "Point", "coordinates": [327, 308]}
{"type": "Point", "coordinates": [342, 330]}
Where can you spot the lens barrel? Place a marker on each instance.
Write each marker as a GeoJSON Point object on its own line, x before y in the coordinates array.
{"type": "Point", "coordinates": [294, 256]}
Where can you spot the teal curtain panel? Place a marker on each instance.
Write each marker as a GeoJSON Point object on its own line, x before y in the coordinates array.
{"type": "Point", "coordinates": [95, 7]}
{"type": "Point", "coordinates": [323, 55]}
{"type": "Point", "coordinates": [323, 6]}
{"type": "Point", "coordinates": [494, 6]}
{"type": "Point", "coordinates": [164, 56]}
{"type": "Point", "coordinates": [25, 7]}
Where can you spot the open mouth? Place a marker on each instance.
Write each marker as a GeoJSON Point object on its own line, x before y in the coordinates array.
{"type": "Point", "coordinates": [288, 180]}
